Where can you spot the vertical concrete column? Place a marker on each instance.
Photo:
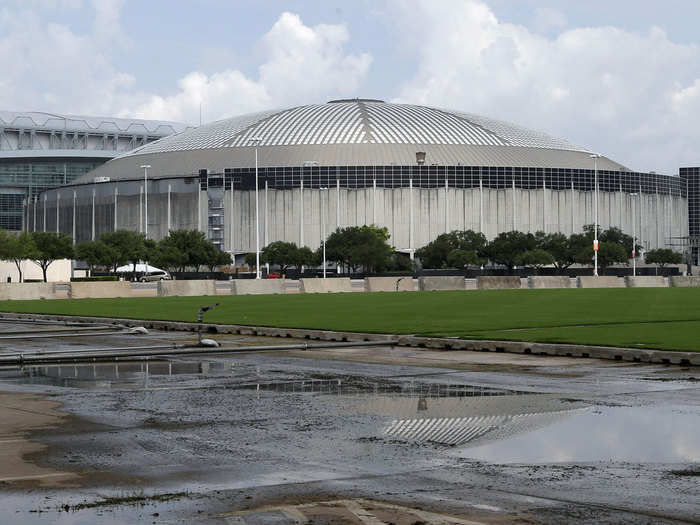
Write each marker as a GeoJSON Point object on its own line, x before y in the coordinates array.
{"type": "Point", "coordinates": [337, 204]}
{"type": "Point", "coordinates": [544, 205]}
{"type": "Point", "coordinates": [374, 201]}
{"type": "Point", "coordinates": [34, 213]}
{"type": "Point", "coordinates": [170, 188]}
{"type": "Point", "coordinates": [573, 206]}
{"type": "Point", "coordinates": [410, 217]}
{"type": "Point", "coordinates": [116, 207]}
{"type": "Point", "coordinates": [93, 214]}
{"type": "Point", "coordinates": [658, 229]}
{"type": "Point", "coordinates": [44, 212]}
{"type": "Point", "coordinates": [641, 215]}
{"type": "Point", "coordinates": [230, 232]}
{"type": "Point", "coordinates": [619, 205]}
{"type": "Point", "coordinates": [75, 198]}
{"type": "Point", "coordinates": [447, 222]}
{"type": "Point", "coordinates": [513, 195]}
{"type": "Point", "coordinates": [266, 239]}
{"type": "Point", "coordinates": [58, 205]}
{"type": "Point", "coordinates": [481, 205]}
{"type": "Point", "coordinates": [141, 208]}
{"type": "Point", "coordinates": [301, 213]}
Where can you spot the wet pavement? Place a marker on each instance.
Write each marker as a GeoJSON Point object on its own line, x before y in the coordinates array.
{"type": "Point", "coordinates": [361, 435]}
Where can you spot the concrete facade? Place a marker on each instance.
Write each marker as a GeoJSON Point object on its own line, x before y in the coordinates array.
{"type": "Point", "coordinates": [602, 281]}
{"type": "Point", "coordinates": [446, 282]}
{"type": "Point", "coordinates": [24, 291]}
{"type": "Point", "coordinates": [186, 288]}
{"type": "Point", "coordinates": [492, 282]}
{"type": "Point", "coordinates": [58, 271]}
{"type": "Point", "coordinates": [684, 281]}
{"type": "Point", "coordinates": [548, 281]}
{"type": "Point", "coordinates": [645, 281]}
{"type": "Point", "coordinates": [99, 289]}
{"type": "Point", "coordinates": [389, 284]}
{"type": "Point", "coordinates": [257, 286]}
{"type": "Point", "coordinates": [319, 285]}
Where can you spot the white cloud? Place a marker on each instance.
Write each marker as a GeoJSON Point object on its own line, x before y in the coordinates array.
{"type": "Point", "coordinates": [302, 64]}
{"type": "Point", "coordinates": [631, 96]}
{"type": "Point", "coordinates": [48, 67]}
{"type": "Point", "coordinates": [547, 19]}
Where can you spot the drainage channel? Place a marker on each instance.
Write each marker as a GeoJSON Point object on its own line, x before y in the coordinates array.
{"type": "Point", "coordinates": [67, 356]}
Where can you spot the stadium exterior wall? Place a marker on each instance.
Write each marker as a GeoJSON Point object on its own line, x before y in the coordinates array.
{"type": "Point", "coordinates": [416, 206]}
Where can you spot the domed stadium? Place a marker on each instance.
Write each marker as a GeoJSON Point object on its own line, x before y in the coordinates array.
{"type": "Point", "coordinates": [419, 171]}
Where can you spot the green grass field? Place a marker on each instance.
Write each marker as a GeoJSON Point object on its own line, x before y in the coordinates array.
{"type": "Point", "coordinates": [665, 318]}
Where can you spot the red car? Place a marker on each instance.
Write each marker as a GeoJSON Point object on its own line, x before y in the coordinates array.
{"type": "Point", "coordinates": [274, 275]}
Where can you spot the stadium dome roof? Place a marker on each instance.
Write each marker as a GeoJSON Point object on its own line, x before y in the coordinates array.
{"type": "Point", "coordinates": [38, 120]}
{"type": "Point", "coordinates": [362, 132]}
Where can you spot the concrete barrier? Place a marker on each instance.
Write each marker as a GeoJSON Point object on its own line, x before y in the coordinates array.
{"type": "Point", "coordinates": [444, 282]}
{"type": "Point", "coordinates": [645, 281]}
{"type": "Point", "coordinates": [498, 282]}
{"type": "Point", "coordinates": [257, 286]}
{"type": "Point", "coordinates": [24, 291]}
{"type": "Point", "coordinates": [548, 281]}
{"type": "Point", "coordinates": [683, 281]}
{"type": "Point", "coordinates": [186, 288]}
{"type": "Point", "coordinates": [319, 285]}
{"type": "Point", "coordinates": [99, 289]}
{"type": "Point", "coordinates": [603, 281]}
{"type": "Point", "coordinates": [388, 284]}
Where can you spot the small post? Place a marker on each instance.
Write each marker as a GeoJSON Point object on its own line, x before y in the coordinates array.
{"type": "Point", "coordinates": [200, 318]}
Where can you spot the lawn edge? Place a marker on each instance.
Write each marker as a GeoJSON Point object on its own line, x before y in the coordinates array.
{"type": "Point", "coordinates": [638, 355]}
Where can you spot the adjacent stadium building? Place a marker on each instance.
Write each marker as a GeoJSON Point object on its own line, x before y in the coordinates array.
{"type": "Point", "coordinates": [417, 170]}
{"type": "Point", "coordinates": [45, 150]}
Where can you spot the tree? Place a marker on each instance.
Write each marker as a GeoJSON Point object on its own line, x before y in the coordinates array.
{"type": "Point", "coordinates": [168, 258]}
{"type": "Point", "coordinates": [51, 247]}
{"type": "Point", "coordinates": [463, 258]}
{"type": "Point", "coordinates": [192, 243]}
{"type": "Point", "coordinates": [304, 257]}
{"type": "Point", "coordinates": [17, 248]}
{"type": "Point", "coordinates": [360, 246]}
{"type": "Point", "coordinates": [215, 257]}
{"type": "Point", "coordinates": [280, 253]}
{"type": "Point", "coordinates": [250, 259]}
{"type": "Point", "coordinates": [95, 254]}
{"type": "Point", "coordinates": [562, 248]}
{"type": "Point", "coordinates": [506, 247]}
{"type": "Point", "coordinates": [536, 258]}
{"type": "Point", "coordinates": [662, 257]}
{"type": "Point", "coordinates": [127, 246]}
{"type": "Point", "coordinates": [435, 253]}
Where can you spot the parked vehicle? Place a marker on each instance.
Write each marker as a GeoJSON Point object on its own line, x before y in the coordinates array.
{"type": "Point", "coordinates": [274, 275]}
{"type": "Point", "coordinates": [160, 275]}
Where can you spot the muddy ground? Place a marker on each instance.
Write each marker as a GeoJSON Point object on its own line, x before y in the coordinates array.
{"type": "Point", "coordinates": [356, 435]}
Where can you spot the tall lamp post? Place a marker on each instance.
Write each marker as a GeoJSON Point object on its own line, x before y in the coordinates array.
{"type": "Point", "coordinates": [255, 141]}
{"type": "Point", "coordinates": [323, 230]}
{"type": "Point", "coordinates": [145, 168]}
{"type": "Point", "coordinates": [595, 157]}
{"type": "Point", "coordinates": [634, 234]}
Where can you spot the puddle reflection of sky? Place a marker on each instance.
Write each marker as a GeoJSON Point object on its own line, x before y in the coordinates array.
{"type": "Point", "coordinates": [640, 434]}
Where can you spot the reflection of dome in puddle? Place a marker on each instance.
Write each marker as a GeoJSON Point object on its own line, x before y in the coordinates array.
{"type": "Point", "coordinates": [467, 420]}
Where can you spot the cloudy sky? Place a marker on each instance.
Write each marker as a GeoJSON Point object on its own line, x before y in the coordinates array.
{"type": "Point", "coordinates": [621, 78]}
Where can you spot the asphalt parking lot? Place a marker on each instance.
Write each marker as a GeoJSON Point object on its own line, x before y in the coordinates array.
{"type": "Point", "coordinates": [342, 435]}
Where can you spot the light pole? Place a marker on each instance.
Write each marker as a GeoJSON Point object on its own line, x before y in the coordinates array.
{"type": "Point", "coordinates": [595, 157]}
{"type": "Point", "coordinates": [255, 141]}
{"type": "Point", "coordinates": [634, 234]}
{"type": "Point", "coordinates": [145, 197]}
{"type": "Point", "coordinates": [323, 230]}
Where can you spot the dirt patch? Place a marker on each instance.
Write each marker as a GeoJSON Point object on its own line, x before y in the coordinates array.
{"type": "Point", "coordinates": [21, 416]}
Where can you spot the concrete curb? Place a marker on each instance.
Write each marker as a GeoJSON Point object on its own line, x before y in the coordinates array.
{"type": "Point", "coordinates": [637, 355]}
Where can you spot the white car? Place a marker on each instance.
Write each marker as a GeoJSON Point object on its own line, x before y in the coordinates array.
{"type": "Point", "coordinates": [160, 275]}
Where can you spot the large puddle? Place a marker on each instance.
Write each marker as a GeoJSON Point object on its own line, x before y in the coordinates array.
{"type": "Point", "coordinates": [463, 420]}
